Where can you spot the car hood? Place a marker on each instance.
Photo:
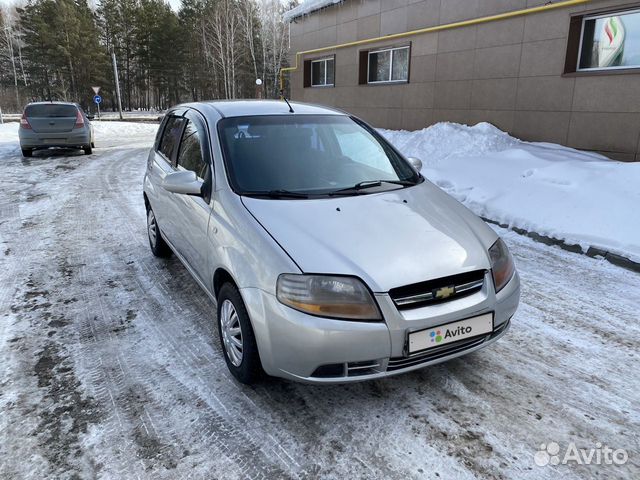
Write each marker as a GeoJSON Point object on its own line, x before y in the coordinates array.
{"type": "Point", "coordinates": [388, 239]}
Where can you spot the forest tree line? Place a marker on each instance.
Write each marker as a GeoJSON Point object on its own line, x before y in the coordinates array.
{"type": "Point", "coordinates": [209, 49]}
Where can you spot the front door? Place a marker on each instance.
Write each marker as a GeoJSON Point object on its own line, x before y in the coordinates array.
{"type": "Point", "coordinates": [193, 212]}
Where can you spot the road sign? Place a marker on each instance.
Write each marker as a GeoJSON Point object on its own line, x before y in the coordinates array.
{"type": "Point", "coordinates": [96, 90]}
{"type": "Point", "coordinates": [97, 99]}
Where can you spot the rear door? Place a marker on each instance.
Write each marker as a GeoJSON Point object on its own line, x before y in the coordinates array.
{"type": "Point", "coordinates": [162, 164]}
{"type": "Point", "coordinates": [193, 213]}
{"type": "Point", "coordinates": [51, 117]}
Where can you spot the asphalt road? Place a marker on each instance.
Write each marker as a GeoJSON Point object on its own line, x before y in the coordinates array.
{"type": "Point", "coordinates": [110, 366]}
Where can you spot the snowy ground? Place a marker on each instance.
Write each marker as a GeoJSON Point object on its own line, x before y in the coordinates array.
{"type": "Point", "coordinates": [110, 366]}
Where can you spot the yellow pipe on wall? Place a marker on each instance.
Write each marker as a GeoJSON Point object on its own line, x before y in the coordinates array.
{"type": "Point", "coordinates": [437, 28]}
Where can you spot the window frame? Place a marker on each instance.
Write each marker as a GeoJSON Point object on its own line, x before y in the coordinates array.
{"type": "Point", "coordinates": [323, 60]}
{"type": "Point", "coordinates": [171, 161]}
{"type": "Point", "coordinates": [203, 155]}
{"type": "Point", "coordinates": [391, 55]}
{"type": "Point", "coordinates": [595, 16]}
{"type": "Point", "coordinates": [194, 116]}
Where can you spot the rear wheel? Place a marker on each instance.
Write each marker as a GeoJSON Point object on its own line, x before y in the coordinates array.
{"type": "Point", "coordinates": [27, 152]}
{"type": "Point", "coordinates": [158, 246]}
{"type": "Point", "coordinates": [237, 337]}
{"type": "Point", "coordinates": [87, 150]}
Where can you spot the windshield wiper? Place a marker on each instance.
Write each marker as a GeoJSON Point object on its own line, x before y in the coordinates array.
{"type": "Point", "coordinates": [278, 194]}
{"type": "Point", "coordinates": [369, 184]}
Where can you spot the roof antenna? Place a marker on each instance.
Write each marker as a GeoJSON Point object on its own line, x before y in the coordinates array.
{"type": "Point", "coordinates": [285, 99]}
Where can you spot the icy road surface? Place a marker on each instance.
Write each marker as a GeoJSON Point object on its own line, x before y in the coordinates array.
{"type": "Point", "coordinates": [110, 367]}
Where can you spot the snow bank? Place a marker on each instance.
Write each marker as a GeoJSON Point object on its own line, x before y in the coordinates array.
{"type": "Point", "coordinates": [307, 7]}
{"type": "Point", "coordinates": [9, 139]}
{"type": "Point", "coordinates": [578, 197]}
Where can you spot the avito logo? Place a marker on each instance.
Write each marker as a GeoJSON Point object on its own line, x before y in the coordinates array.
{"type": "Point", "coordinates": [437, 336]}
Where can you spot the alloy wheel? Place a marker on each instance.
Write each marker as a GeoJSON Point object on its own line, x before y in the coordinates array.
{"type": "Point", "coordinates": [231, 333]}
{"type": "Point", "coordinates": [151, 228]}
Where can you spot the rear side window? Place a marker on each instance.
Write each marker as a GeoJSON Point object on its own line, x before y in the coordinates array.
{"type": "Point", "coordinates": [190, 156]}
{"type": "Point", "coordinates": [50, 111]}
{"type": "Point", "coordinates": [171, 136]}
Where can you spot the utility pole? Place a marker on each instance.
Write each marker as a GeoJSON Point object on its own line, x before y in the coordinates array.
{"type": "Point", "coordinates": [117, 81]}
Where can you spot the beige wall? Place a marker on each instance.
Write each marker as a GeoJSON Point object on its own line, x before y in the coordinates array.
{"type": "Point", "coordinates": [506, 72]}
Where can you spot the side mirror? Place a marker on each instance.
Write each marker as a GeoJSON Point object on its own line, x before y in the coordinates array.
{"type": "Point", "coordinates": [415, 163]}
{"type": "Point", "coordinates": [185, 183]}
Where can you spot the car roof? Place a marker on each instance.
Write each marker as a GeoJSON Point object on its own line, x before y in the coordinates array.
{"type": "Point", "coordinates": [52, 103]}
{"type": "Point", "coordinates": [246, 108]}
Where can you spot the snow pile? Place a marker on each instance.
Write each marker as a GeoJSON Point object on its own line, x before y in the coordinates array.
{"type": "Point", "coordinates": [578, 197]}
{"type": "Point", "coordinates": [9, 139]}
{"type": "Point", "coordinates": [307, 7]}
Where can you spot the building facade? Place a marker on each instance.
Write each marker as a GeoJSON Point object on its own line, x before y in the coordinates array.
{"type": "Point", "coordinates": [568, 74]}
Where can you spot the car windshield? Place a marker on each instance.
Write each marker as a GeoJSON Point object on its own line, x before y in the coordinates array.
{"type": "Point", "coordinates": [51, 110]}
{"type": "Point", "coordinates": [297, 156]}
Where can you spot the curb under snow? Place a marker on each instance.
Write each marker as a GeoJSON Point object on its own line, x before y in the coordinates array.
{"type": "Point", "coordinates": [593, 252]}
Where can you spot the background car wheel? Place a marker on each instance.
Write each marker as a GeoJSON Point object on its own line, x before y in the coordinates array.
{"type": "Point", "coordinates": [93, 144]}
{"type": "Point", "coordinates": [236, 336]}
{"type": "Point", "coordinates": [158, 246]}
{"type": "Point", "coordinates": [27, 153]}
{"type": "Point", "coordinates": [87, 150]}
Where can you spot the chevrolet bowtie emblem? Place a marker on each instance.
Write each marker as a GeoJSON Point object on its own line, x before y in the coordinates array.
{"type": "Point", "coordinates": [444, 292]}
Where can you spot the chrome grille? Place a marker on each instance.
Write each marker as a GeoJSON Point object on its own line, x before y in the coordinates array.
{"type": "Point", "coordinates": [439, 290]}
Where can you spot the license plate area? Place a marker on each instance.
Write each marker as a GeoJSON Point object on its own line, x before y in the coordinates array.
{"type": "Point", "coordinates": [423, 340]}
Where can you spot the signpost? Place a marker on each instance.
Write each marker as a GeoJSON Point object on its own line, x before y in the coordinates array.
{"type": "Point", "coordinates": [97, 99]}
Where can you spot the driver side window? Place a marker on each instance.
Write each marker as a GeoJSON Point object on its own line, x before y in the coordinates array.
{"type": "Point", "coordinates": [191, 156]}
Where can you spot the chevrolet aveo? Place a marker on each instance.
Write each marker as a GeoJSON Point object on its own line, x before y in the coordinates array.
{"type": "Point", "coordinates": [330, 257]}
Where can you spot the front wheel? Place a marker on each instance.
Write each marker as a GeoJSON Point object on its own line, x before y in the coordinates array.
{"type": "Point", "coordinates": [158, 246]}
{"type": "Point", "coordinates": [237, 337]}
{"type": "Point", "coordinates": [27, 152]}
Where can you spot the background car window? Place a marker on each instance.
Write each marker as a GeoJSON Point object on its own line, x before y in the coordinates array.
{"type": "Point", "coordinates": [51, 110]}
{"type": "Point", "coordinates": [190, 156]}
{"type": "Point", "coordinates": [171, 136]}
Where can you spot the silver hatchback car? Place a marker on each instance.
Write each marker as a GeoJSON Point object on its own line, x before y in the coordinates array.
{"type": "Point", "coordinates": [55, 124]}
{"type": "Point", "coordinates": [330, 257]}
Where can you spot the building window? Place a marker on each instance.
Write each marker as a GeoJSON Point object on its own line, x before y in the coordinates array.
{"type": "Point", "coordinates": [320, 72]}
{"type": "Point", "coordinates": [610, 41]}
{"type": "Point", "coordinates": [388, 65]}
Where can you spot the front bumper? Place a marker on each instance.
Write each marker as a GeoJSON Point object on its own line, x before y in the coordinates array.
{"type": "Point", "coordinates": [293, 344]}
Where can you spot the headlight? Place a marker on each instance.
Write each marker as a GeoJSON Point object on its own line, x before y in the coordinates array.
{"type": "Point", "coordinates": [502, 266]}
{"type": "Point", "coordinates": [327, 296]}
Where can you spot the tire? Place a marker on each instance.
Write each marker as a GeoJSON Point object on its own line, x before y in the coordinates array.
{"type": "Point", "coordinates": [87, 150]}
{"type": "Point", "coordinates": [27, 153]}
{"type": "Point", "coordinates": [157, 244]}
{"type": "Point", "coordinates": [93, 144]}
{"type": "Point", "coordinates": [247, 368]}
